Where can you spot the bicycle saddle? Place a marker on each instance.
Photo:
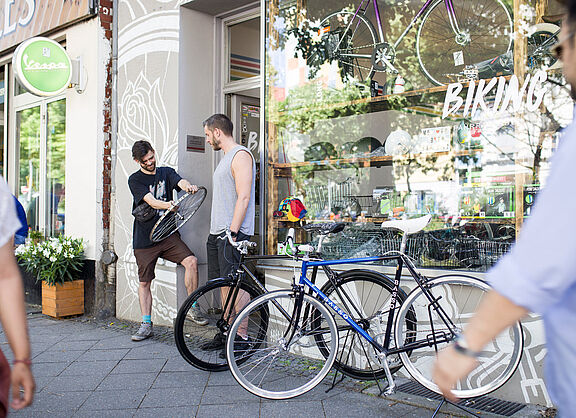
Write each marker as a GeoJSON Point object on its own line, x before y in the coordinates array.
{"type": "Point", "coordinates": [408, 226]}
{"type": "Point", "coordinates": [325, 228]}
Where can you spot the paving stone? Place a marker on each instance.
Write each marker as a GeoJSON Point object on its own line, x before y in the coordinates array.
{"type": "Point", "coordinates": [123, 381]}
{"type": "Point", "coordinates": [120, 341]}
{"type": "Point", "coordinates": [58, 356]}
{"type": "Point", "coordinates": [96, 368]}
{"type": "Point", "coordinates": [295, 409]}
{"type": "Point", "coordinates": [216, 395]}
{"type": "Point", "coordinates": [157, 398]}
{"type": "Point", "coordinates": [73, 345]}
{"type": "Point", "coordinates": [181, 379]}
{"type": "Point", "coordinates": [113, 413]}
{"type": "Point", "coordinates": [48, 369]}
{"type": "Point", "coordinates": [28, 413]}
{"type": "Point", "coordinates": [154, 350]}
{"type": "Point", "coordinates": [78, 384]}
{"type": "Point", "coordinates": [114, 399]}
{"type": "Point", "coordinates": [179, 412]}
{"type": "Point", "coordinates": [137, 366]}
{"type": "Point", "coordinates": [177, 364]}
{"type": "Point", "coordinates": [237, 410]}
{"type": "Point", "coordinates": [50, 401]}
{"type": "Point", "coordinates": [221, 379]}
{"type": "Point", "coordinates": [100, 355]}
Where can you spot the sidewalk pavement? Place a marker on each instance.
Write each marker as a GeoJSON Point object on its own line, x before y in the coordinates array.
{"type": "Point", "coordinates": [89, 368]}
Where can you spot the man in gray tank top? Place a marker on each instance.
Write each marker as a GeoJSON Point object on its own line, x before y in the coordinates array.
{"type": "Point", "coordinates": [233, 203]}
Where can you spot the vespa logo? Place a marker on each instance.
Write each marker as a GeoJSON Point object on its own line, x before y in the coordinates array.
{"type": "Point", "coordinates": [31, 65]}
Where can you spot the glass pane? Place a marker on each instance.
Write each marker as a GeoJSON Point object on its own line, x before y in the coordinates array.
{"type": "Point", "coordinates": [2, 107]}
{"type": "Point", "coordinates": [56, 167]}
{"type": "Point", "coordinates": [361, 145]}
{"type": "Point", "coordinates": [28, 137]}
{"type": "Point", "coordinates": [244, 41]}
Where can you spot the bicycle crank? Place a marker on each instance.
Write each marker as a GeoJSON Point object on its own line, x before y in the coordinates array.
{"type": "Point", "coordinates": [383, 57]}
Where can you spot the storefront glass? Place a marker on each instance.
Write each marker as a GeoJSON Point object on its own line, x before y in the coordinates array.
{"type": "Point", "coordinates": [56, 167]}
{"type": "Point", "coordinates": [28, 137]}
{"type": "Point", "coordinates": [408, 110]}
{"type": "Point", "coordinates": [244, 44]}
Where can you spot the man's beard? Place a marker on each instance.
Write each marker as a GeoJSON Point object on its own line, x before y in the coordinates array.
{"type": "Point", "coordinates": [216, 145]}
{"type": "Point", "coordinates": [149, 167]}
{"type": "Point", "coordinates": [573, 92]}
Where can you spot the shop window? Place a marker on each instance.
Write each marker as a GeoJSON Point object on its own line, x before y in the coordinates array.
{"type": "Point", "coordinates": [41, 139]}
{"type": "Point", "coordinates": [244, 50]}
{"type": "Point", "coordinates": [375, 116]}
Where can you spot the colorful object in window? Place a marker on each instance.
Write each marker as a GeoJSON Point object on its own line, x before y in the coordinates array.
{"type": "Point", "coordinates": [293, 208]}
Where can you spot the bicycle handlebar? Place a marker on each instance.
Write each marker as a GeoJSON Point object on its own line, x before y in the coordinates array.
{"type": "Point", "coordinates": [242, 246]}
{"type": "Point", "coordinates": [295, 249]}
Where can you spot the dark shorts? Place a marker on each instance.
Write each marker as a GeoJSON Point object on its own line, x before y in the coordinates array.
{"type": "Point", "coordinates": [223, 259]}
{"type": "Point", "coordinates": [171, 249]}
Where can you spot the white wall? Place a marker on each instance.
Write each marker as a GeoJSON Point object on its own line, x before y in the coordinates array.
{"type": "Point", "coordinates": [84, 138]}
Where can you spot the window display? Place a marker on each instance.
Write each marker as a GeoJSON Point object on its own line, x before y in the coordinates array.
{"type": "Point", "coordinates": [380, 110]}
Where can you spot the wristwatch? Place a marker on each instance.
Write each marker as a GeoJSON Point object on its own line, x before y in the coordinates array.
{"type": "Point", "coordinates": [233, 234]}
{"type": "Point", "coordinates": [461, 347]}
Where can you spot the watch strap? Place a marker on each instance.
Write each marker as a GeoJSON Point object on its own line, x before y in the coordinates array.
{"type": "Point", "coordinates": [461, 347]}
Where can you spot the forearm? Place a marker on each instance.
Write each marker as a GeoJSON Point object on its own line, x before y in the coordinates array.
{"type": "Point", "coordinates": [495, 313]}
{"type": "Point", "coordinates": [239, 213]}
{"type": "Point", "coordinates": [157, 204]}
{"type": "Point", "coordinates": [12, 309]}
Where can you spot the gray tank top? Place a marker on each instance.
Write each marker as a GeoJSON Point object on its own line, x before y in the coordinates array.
{"type": "Point", "coordinates": [224, 196]}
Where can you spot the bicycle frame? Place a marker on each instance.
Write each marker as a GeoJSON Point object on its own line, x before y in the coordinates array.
{"type": "Point", "coordinates": [401, 260]}
{"type": "Point", "coordinates": [365, 3]}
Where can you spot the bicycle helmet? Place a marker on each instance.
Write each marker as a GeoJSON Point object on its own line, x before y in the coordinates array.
{"type": "Point", "coordinates": [366, 145]}
{"type": "Point", "coordinates": [320, 151]}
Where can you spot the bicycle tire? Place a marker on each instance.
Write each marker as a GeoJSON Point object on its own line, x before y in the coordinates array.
{"type": "Point", "coordinates": [459, 298]}
{"type": "Point", "coordinates": [280, 367]}
{"type": "Point", "coordinates": [354, 53]}
{"type": "Point", "coordinates": [539, 43]}
{"type": "Point", "coordinates": [367, 302]}
{"type": "Point", "coordinates": [172, 221]}
{"type": "Point", "coordinates": [487, 24]}
{"type": "Point", "coordinates": [190, 337]}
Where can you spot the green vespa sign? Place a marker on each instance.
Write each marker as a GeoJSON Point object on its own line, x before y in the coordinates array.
{"type": "Point", "coordinates": [42, 66]}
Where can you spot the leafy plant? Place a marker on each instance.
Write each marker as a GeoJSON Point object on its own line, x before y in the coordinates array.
{"type": "Point", "coordinates": [54, 261]}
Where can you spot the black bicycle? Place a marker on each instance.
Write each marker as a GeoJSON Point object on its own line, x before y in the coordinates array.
{"type": "Point", "coordinates": [220, 300]}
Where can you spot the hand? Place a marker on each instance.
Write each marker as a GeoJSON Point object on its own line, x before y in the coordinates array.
{"type": "Point", "coordinates": [173, 206]}
{"type": "Point", "coordinates": [191, 188]}
{"type": "Point", "coordinates": [22, 386]}
{"type": "Point", "coordinates": [450, 367]}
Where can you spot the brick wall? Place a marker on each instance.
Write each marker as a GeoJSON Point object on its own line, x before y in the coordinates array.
{"type": "Point", "coordinates": [105, 17]}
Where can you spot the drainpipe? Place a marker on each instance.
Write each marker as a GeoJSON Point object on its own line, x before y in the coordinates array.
{"type": "Point", "coordinates": [109, 256]}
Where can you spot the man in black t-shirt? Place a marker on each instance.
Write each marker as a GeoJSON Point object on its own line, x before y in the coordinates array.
{"type": "Point", "coordinates": [155, 186]}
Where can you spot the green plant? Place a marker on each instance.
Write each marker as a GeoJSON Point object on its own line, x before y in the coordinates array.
{"type": "Point", "coordinates": [54, 261]}
{"type": "Point", "coordinates": [36, 236]}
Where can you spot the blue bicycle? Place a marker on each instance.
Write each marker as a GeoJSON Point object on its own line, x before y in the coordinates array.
{"type": "Point", "coordinates": [285, 342]}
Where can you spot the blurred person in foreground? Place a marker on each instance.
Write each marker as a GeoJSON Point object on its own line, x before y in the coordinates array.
{"type": "Point", "coordinates": [539, 274]}
{"type": "Point", "coordinates": [12, 313]}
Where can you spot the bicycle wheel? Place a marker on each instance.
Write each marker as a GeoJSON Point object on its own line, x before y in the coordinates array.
{"type": "Point", "coordinates": [539, 43]}
{"type": "Point", "coordinates": [458, 297]}
{"type": "Point", "coordinates": [484, 33]}
{"type": "Point", "coordinates": [172, 221]}
{"type": "Point", "coordinates": [192, 338]}
{"type": "Point", "coordinates": [286, 362]}
{"type": "Point", "coordinates": [365, 296]}
{"type": "Point", "coordinates": [350, 40]}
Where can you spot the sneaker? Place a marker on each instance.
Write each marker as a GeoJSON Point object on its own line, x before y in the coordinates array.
{"type": "Point", "coordinates": [217, 343]}
{"type": "Point", "coordinates": [144, 332]}
{"type": "Point", "coordinates": [242, 347]}
{"type": "Point", "coordinates": [196, 316]}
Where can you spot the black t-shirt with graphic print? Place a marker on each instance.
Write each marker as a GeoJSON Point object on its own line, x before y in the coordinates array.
{"type": "Point", "coordinates": [166, 180]}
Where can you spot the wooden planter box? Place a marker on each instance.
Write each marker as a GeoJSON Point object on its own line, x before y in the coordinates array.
{"type": "Point", "coordinates": [63, 299]}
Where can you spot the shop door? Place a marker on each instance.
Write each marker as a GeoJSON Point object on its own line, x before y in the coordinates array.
{"type": "Point", "coordinates": [246, 118]}
{"type": "Point", "coordinates": [41, 165]}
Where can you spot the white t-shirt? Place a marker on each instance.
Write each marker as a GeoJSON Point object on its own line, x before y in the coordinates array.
{"type": "Point", "coordinates": [9, 222]}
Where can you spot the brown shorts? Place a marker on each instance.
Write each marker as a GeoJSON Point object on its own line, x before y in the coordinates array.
{"type": "Point", "coordinates": [171, 249]}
